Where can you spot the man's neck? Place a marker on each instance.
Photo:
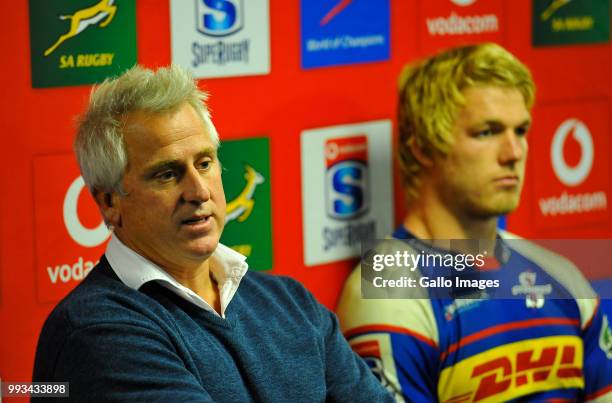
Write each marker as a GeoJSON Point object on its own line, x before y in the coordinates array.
{"type": "Point", "coordinates": [196, 276]}
{"type": "Point", "coordinates": [430, 220]}
{"type": "Point", "coordinates": [201, 281]}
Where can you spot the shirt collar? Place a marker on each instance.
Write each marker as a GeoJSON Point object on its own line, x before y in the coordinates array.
{"type": "Point", "coordinates": [500, 257]}
{"type": "Point", "coordinates": [135, 270]}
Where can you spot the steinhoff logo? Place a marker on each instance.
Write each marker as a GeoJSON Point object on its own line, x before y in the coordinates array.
{"type": "Point", "coordinates": [554, 6]}
{"type": "Point", "coordinates": [81, 19]}
{"type": "Point", "coordinates": [241, 207]}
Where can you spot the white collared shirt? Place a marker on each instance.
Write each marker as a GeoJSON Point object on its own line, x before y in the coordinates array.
{"type": "Point", "coordinates": [135, 270]}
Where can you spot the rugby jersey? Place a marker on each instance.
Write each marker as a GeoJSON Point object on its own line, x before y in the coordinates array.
{"type": "Point", "coordinates": [537, 346]}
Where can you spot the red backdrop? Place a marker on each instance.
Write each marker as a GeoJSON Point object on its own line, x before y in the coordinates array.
{"type": "Point", "coordinates": [573, 82]}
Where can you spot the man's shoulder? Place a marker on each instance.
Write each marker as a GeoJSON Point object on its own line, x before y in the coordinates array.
{"type": "Point", "coordinates": [280, 296]}
{"type": "Point", "coordinates": [100, 298]}
{"type": "Point", "coordinates": [368, 312]}
{"type": "Point", "coordinates": [561, 269]}
{"type": "Point", "coordinates": [555, 264]}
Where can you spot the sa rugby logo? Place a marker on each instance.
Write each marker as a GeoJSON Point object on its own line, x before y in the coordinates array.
{"type": "Point", "coordinates": [80, 42]}
{"type": "Point", "coordinates": [246, 179]}
{"type": "Point", "coordinates": [559, 22]}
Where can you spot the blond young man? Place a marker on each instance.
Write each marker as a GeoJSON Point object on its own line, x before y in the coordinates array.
{"type": "Point", "coordinates": [464, 115]}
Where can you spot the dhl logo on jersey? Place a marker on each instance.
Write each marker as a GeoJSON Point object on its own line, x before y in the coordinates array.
{"type": "Point", "coordinates": [514, 370]}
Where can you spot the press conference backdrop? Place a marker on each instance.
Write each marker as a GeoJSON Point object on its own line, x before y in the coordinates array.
{"type": "Point", "coordinates": [303, 94]}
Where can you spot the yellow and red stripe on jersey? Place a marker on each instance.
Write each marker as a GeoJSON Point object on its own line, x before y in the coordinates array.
{"type": "Point", "coordinates": [514, 370]}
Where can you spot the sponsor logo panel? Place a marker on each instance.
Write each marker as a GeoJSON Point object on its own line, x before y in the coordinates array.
{"type": "Point", "coordinates": [346, 189]}
{"type": "Point", "coordinates": [341, 32]}
{"type": "Point", "coordinates": [221, 38]}
{"type": "Point", "coordinates": [80, 41]}
{"type": "Point", "coordinates": [560, 22]}
{"type": "Point", "coordinates": [70, 235]}
{"type": "Point", "coordinates": [514, 370]}
{"type": "Point", "coordinates": [247, 184]}
{"type": "Point", "coordinates": [572, 184]}
{"type": "Point", "coordinates": [444, 23]}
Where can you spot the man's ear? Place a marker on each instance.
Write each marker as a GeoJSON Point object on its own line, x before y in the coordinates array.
{"type": "Point", "coordinates": [109, 203]}
{"type": "Point", "coordinates": [418, 153]}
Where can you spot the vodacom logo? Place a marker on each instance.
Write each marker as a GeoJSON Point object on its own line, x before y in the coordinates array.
{"type": "Point", "coordinates": [81, 235]}
{"type": "Point", "coordinates": [463, 3]}
{"type": "Point", "coordinates": [572, 176]}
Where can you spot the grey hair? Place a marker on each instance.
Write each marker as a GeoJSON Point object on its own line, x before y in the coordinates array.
{"type": "Point", "coordinates": [99, 145]}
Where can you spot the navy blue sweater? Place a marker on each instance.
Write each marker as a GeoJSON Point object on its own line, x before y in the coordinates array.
{"type": "Point", "coordinates": [276, 344]}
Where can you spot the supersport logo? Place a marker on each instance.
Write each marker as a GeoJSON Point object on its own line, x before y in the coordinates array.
{"type": "Point", "coordinates": [337, 9]}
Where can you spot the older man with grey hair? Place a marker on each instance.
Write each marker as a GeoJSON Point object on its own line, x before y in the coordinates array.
{"type": "Point", "coordinates": [169, 313]}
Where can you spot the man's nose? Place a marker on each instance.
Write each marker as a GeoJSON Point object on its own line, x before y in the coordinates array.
{"type": "Point", "coordinates": [195, 187]}
{"type": "Point", "coordinates": [513, 147]}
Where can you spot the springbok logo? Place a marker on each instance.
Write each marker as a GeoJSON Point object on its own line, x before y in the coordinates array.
{"type": "Point", "coordinates": [86, 237]}
{"type": "Point", "coordinates": [241, 207]}
{"type": "Point", "coordinates": [554, 6]}
{"type": "Point", "coordinates": [81, 19]}
{"type": "Point", "coordinates": [566, 174]}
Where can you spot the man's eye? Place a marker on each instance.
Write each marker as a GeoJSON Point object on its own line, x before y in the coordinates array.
{"type": "Point", "coordinates": [485, 133]}
{"type": "Point", "coordinates": [166, 176]}
{"type": "Point", "coordinates": [205, 164]}
{"type": "Point", "coordinates": [521, 131]}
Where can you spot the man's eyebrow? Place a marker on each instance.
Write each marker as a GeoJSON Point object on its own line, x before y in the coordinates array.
{"type": "Point", "coordinates": [161, 166]}
{"type": "Point", "coordinates": [495, 122]}
{"type": "Point", "coordinates": [207, 152]}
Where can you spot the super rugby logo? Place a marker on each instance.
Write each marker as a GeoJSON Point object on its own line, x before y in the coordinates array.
{"type": "Point", "coordinates": [219, 17]}
{"type": "Point", "coordinates": [572, 176]}
{"type": "Point", "coordinates": [347, 190]}
{"type": "Point", "coordinates": [240, 208]}
{"type": "Point", "coordinates": [102, 12]}
{"type": "Point", "coordinates": [83, 236]}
